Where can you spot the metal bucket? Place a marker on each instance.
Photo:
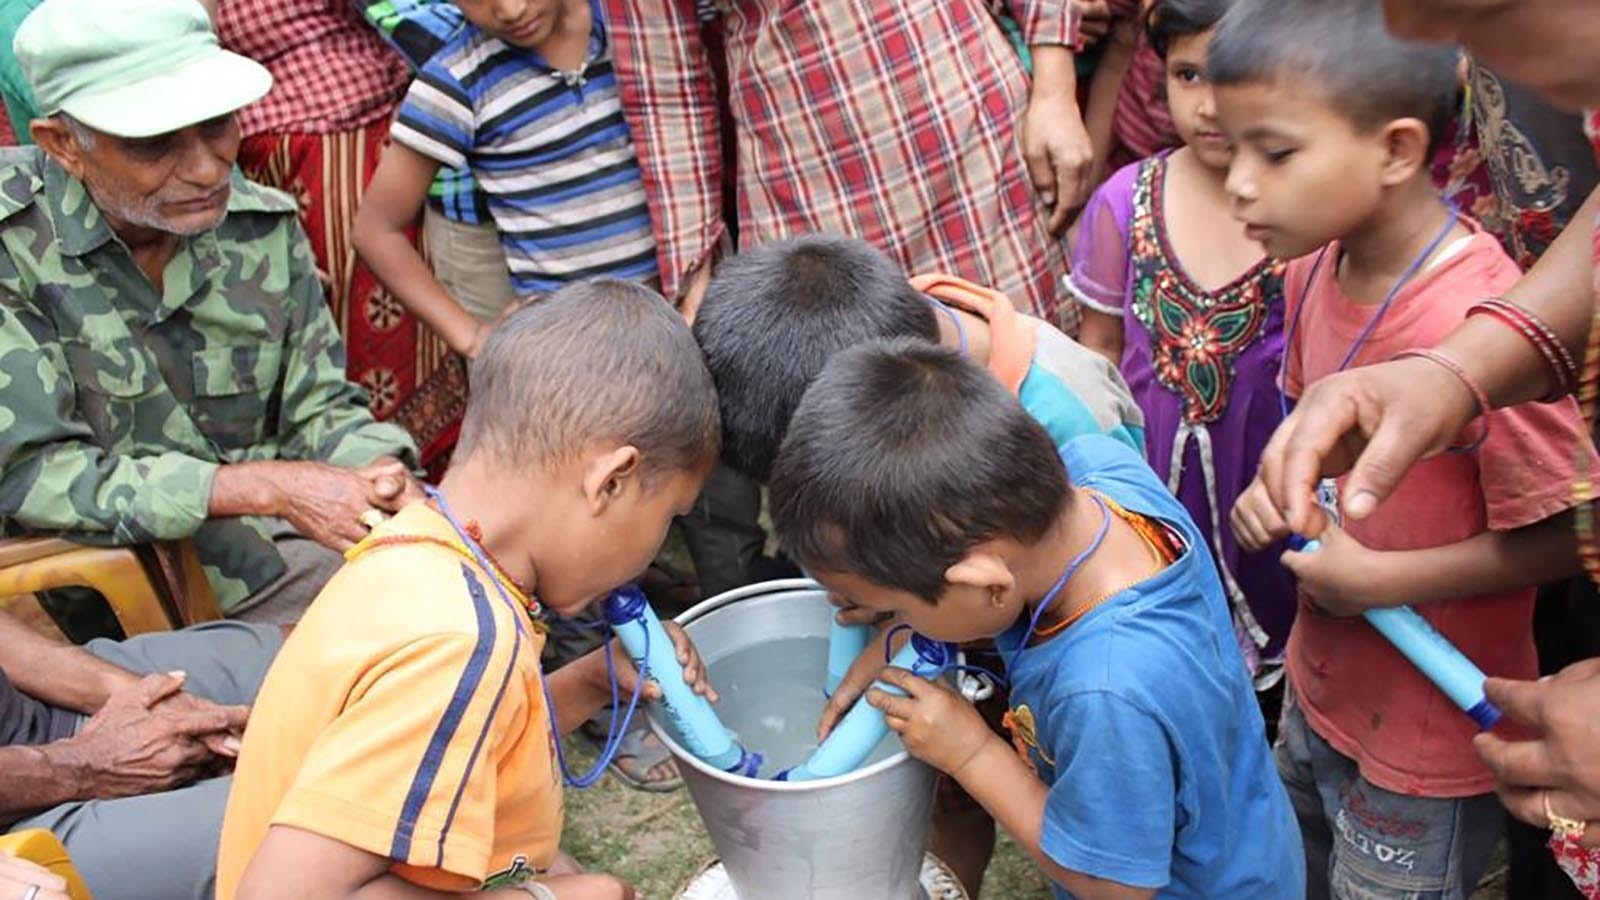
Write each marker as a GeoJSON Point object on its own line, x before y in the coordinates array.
{"type": "Point", "coordinates": [859, 835]}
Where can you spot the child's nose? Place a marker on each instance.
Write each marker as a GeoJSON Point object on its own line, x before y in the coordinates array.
{"type": "Point", "coordinates": [1240, 186]}
{"type": "Point", "coordinates": [509, 10]}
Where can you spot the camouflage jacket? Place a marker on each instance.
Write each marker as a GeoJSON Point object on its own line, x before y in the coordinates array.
{"type": "Point", "coordinates": [118, 401]}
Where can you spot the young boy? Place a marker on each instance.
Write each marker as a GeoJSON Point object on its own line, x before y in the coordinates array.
{"type": "Point", "coordinates": [403, 744]}
{"type": "Point", "coordinates": [771, 319]}
{"type": "Point", "coordinates": [525, 97]}
{"type": "Point", "coordinates": [1334, 121]}
{"type": "Point", "coordinates": [457, 227]}
{"type": "Point", "coordinates": [1140, 767]}
{"type": "Point", "coordinates": [774, 315]}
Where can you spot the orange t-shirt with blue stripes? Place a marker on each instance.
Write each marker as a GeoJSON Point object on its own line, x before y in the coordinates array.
{"type": "Point", "coordinates": [404, 716]}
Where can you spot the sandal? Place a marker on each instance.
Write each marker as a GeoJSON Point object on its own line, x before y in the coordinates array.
{"type": "Point", "coordinates": [638, 754]}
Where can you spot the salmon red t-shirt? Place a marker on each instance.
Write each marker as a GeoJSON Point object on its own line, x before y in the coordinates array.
{"type": "Point", "coordinates": [1356, 690]}
{"type": "Point", "coordinates": [404, 716]}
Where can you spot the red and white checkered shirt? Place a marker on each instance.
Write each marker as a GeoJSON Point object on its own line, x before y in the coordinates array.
{"type": "Point", "coordinates": [895, 121]}
{"type": "Point", "coordinates": [330, 71]}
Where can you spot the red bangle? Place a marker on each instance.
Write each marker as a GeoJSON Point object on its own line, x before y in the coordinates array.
{"type": "Point", "coordinates": [1534, 330]}
{"type": "Point", "coordinates": [1440, 358]}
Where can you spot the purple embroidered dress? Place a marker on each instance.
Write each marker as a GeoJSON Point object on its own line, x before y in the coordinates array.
{"type": "Point", "coordinates": [1203, 365]}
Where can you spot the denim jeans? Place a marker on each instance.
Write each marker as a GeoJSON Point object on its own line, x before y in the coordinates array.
{"type": "Point", "coordinates": [1366, 843]}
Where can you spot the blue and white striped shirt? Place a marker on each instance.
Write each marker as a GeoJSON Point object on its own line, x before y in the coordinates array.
{"type": "Point", "coordinates": [551, 149]}
{"type": "Point", "coordinates": [417, 29]}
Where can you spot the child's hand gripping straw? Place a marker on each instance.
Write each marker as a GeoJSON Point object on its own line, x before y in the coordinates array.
{"type": "Point", "coordinates": [1431, 652]}
{"type": "Point", "coordinates": [845, 644]}
{"type": "Point", "coordinates": [689, 716]}
{"type": "Point", "coordinates": [861, 730]}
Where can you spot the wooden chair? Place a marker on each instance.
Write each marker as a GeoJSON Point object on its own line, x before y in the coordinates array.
{"type": "Point", "coordinates": [150, 587]}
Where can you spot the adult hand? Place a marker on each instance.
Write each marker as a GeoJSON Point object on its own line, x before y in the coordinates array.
{"type": "Point", "coordinates": [1559, 770]}
{"type": "Point", "coordinates": [138, 744]}
{"type": "Point", "coordinates": [19, 876]}
{"type": "Point", "coordinates": [392, 484]}
{"type": "Point", "coordinates": [1059, 154]}
{"type": "Point", "coordinates": [1094, 20]}
{"type": "Point", "coordinates": [224, 744]}
{"type": "Point", "coordinates": [324, 502]}
{"type": "Point", "coordinates": [935, 724]}
{"type": "Point", "coordinates": [1374, 422]}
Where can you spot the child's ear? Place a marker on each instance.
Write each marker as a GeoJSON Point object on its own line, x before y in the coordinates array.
{"type": "Point", "coordinates": [607, 476]}
{"type": "Point", "coordinates": [982, 570]}
{"type": "Point", "coordinates": [1405, 144]}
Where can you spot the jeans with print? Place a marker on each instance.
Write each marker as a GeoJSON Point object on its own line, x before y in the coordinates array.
{"type": "Point", "coordinates": [1366, 843]}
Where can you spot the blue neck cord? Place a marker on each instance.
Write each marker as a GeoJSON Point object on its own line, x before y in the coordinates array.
{"type": "Point", "coordinates": [1066, 576]}
{"type": "Point", "coordinates": [1372, 324]}
{"type": "Point", "coordinates": [618, 728]}
{"type": "Point", "coordinates": [955, 320]}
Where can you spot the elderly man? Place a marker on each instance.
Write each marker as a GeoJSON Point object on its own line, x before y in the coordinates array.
{"type": "Point", "coordinates": [168, 365]}
{"type": "Point", "coordinates": [117, 748]}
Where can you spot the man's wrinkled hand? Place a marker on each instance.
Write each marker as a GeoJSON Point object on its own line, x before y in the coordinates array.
{"type": "Point", "coordinates": [393, 485]}
{"type": "Point", "coordinates": [139, 743]}
{"type": "Point", "coordinates": [223, 744]}
{"type": "Point", "coordinates": [324, 503]}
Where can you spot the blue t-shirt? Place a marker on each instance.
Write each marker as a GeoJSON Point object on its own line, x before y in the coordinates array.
{"type": "Point", "coordinates": [1141, 719]}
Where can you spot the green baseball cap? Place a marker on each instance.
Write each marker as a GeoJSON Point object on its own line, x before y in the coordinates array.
{"type": "Point", "coordinates": [133, 68]}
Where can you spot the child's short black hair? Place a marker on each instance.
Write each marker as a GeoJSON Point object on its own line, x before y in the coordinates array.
{"type": "Point", "coordinates": [1169, 19]}
{"type": "Point", "coordinates": [1342, 48]}
{"type": "Point", "coordinates": [774, 315]}
{"type": "Point", "coordinates": [603, 360]}
{"type": "Point", "coordinates": [902, 457]}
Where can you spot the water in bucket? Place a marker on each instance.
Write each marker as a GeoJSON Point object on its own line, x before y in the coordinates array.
{"type": "Point", "coordinates": [858, 836]}
{"type": "Point", "coordinates": [772, 697]}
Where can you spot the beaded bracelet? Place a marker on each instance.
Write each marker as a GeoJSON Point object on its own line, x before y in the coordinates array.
{"type": "Point", "coordinates": [1440, 358]}
{"type": "Point", "coordinates": [1534, 330]}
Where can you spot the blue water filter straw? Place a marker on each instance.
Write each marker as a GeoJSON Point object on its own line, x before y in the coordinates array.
{"type": "Point", "coordinates": [864, 726]}
{"type": "Point", "coordinates": [688, 715]}
{"type": "Point", "coordinates": [1431, 652]}
{"type": "Point", "coordinates": [846, 643]}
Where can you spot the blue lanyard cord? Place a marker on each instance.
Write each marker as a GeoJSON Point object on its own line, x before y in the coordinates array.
{"type": "Point", "coordinates": [618, 728]}
{"type": "Point", "coordinates": [961, 330]}
{"type": "Point", "coordinates": [888, 656]}
{"type": "Point", "coordinates": [1377, 317]}
{"type": "Point", "coordinates": [615, 733]}
{"type": "Point", "coordinates": [1066, 576]}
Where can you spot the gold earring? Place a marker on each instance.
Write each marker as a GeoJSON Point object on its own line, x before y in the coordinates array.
{"type": "Point", "coordinates": [997, 597]}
